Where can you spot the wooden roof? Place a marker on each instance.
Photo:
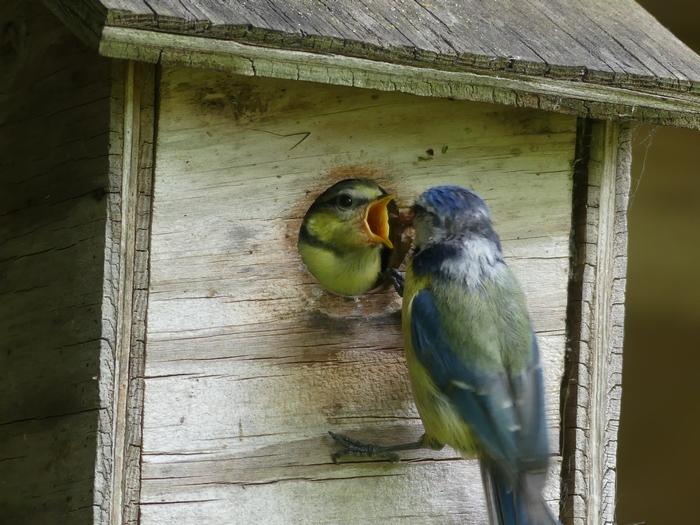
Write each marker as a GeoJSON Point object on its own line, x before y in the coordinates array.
{"type": "Point", "coordinates": [612, 44]}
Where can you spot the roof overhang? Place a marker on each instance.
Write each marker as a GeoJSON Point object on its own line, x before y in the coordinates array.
{"type": "Point", "coordinates": [678, 105]}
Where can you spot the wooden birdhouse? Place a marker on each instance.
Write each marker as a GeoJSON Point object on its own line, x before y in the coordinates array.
{"type": "Point", "coordinates": [166, 358]}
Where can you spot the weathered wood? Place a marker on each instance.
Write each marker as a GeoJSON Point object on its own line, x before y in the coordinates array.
{"type": "Point", "coordinates": [147, 82]}
{"type": "Point", "coordinates": [84, 18]}
{"type": "Point", "coordinates": [54, 118]}
{"type": "Point", "coordinates": [249, 363]}
{"type": "Point", "coordinates": [577, 98]}
{"type": "Point", "coordinates": [615, 43]}
{"type": "Point", "coordinates": [110, 300]}
{"type": "Point", "coordinates": [573, 58]}
{"type": "Point", "coordinates": [592, 394]}
{"type": "Point", "coordinates": [133, 126]}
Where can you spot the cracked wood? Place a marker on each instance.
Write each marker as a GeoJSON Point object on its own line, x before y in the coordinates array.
{"type": "Point", "coordinates": [593, 390]}
{"type": "Point", "coordinates": [133, 137]}
{"type": "Point", "coordinates": [556, 55]}
{"type": "Point", "coordinates": [249, 363]}
{"type": "Point", "coordinates": [559, 39]}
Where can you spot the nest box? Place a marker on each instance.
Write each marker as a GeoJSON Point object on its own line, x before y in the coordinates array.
{"type": "Point", "coordinates": [165, 356]}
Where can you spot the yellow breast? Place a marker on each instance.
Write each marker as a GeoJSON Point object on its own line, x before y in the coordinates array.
{"type": "Point", "coordinates": [442, 423]}
{"type": "Point", "coordinates": [353, 273]}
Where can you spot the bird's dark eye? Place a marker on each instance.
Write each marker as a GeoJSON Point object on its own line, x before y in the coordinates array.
{"type": "Point", "coordinates": [344, 201]}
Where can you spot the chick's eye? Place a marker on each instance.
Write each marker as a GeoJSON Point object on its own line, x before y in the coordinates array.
{"type": "Point", "coordinates": [344, 201]}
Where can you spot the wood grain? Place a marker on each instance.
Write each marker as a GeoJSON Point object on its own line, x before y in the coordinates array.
{"type": "Point", "coordinates": [133, 124]}
{"type": "Point", "coordinates": [578, 98]}
{"type": "Point", "coordinates": [54, 124]}
{"type": "Point", "coordinates": [249, 363]}
{"type": "Point", "coordinates": [563, 57]}
{"type": "Point", "coordinates": [616, 43]}
{"type": "Point", "coordinates": [593, 390]}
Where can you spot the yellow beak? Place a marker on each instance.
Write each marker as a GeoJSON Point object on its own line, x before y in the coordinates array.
{"type": "Point", "coordinates": [376, 221]}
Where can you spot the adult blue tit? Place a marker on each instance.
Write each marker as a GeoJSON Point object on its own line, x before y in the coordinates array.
{"type": "Point", "coordinates": [472, 355]}
{"type": "Point", "coordinates": [345, 238]}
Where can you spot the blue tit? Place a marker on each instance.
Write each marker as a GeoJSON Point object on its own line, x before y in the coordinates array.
{"type": "Point", "coordinates": [345, 239]}
{"type": "Point", "coordinates": [472, 355]}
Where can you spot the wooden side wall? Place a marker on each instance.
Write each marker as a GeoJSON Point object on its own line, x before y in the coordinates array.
{"type": "Point", "coordinates": [126, 287]}
{"type": "Point", "coordinates": [54, 123]}
{"type": "Point", "coordinates": [592, 392]}
{"type": "Point", "coordinates": [249, 362]}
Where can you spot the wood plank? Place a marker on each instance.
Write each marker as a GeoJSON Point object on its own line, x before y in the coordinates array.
{"type": "Point", "coordinates": [584, 41]}
{"type": "Point", "coordinates": [525, 53]}
{"type": "Point", "coordinates": [132, 178]}
{"type": "Point", "coordinates": [370, 488]}
{"type": "Point", "coordinates": [584, 99]}
{"type": "Point", "coordinates": [249, 362]}
{"type": "Point", "coordinates": [54, 120]}
{"type": "Point", "coordinates": [594, 368]}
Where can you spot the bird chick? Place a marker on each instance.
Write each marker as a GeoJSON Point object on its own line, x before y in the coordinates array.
{"type": "Point", "coordinates": [345, 239]}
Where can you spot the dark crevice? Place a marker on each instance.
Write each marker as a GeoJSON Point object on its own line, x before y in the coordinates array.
{"type": "Point", "coordinates": [578, 245]}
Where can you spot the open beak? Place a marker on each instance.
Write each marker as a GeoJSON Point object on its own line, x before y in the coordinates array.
{"type": "Point", "coordinates": [376, 221]}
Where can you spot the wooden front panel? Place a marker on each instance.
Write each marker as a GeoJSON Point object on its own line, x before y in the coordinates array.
{"type": "Point", "coordinates": [249, 363]}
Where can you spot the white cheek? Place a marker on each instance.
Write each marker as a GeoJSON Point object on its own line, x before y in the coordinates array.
{"type": "Point", "coordinates": [478, 262]}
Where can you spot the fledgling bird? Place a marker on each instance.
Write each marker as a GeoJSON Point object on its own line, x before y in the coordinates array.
{"type": "Point", "coordinates": [472, 355]}
{"type": "Point", "coordinates": [345, 239]}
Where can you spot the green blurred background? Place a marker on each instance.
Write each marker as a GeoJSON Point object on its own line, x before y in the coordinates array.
{"type": "Point", "coordinates": [659, 441]}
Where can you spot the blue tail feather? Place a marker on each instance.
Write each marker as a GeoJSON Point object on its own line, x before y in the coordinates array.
{"type": "Point", "coordinates": [510, 505]}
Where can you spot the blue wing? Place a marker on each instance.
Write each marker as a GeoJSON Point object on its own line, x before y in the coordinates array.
{"type": "Point", "coordinates": [504, 411]}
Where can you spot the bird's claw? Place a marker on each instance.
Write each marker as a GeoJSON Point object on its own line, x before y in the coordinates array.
{"type": "Point", "coordinates": [352, 447]}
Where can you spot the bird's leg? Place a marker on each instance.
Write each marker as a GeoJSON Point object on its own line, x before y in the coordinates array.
{"type": "Point", "coordinates": [397, 279]}
{"type": "Point", "coordinates": [352, 447]}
